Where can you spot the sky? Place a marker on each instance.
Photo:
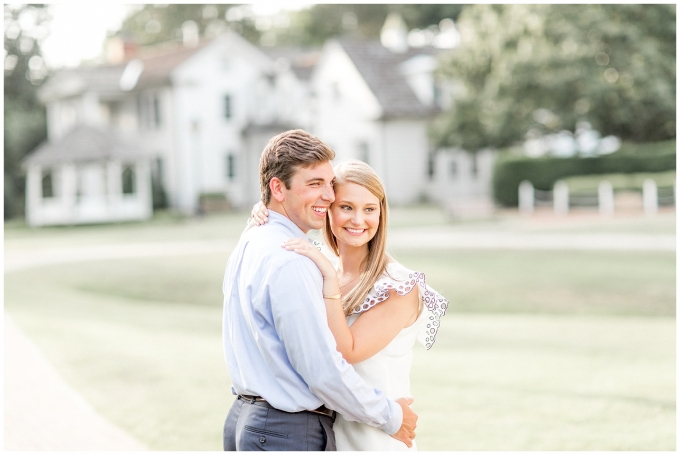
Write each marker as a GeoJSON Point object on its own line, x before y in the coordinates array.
{"type": "Point", "coordinates": [78, 30]}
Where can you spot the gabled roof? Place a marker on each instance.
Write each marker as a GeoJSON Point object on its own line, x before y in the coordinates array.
{"type": "Point", "coordinates": [157, 67]}
{"type": "Point", "coordinates": [158, 64]}
{"type": "Point", "coordinates": [301, 59]}
{"type": "Point", "coordinates": [73, 81]}
{"type": "Point", "coordinates": [380, 69]}
{"type": "Point", "coordinates": [83, 143]}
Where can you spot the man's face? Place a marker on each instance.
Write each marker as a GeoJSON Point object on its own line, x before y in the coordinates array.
{"type": "Point", "coordinates": [310, 195]}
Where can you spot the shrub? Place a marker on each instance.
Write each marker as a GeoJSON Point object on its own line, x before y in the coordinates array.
{"type": "Point", "coordinates": [510, 170]}
{"type": "Point", "coordinates": [213, 202]}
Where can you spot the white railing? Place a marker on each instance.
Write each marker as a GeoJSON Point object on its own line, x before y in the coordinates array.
{"type": "Point", "coordinates": [562, 200]}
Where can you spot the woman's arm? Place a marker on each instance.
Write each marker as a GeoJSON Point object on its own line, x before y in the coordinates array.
{"type": "Point", "coordinates": [374, 329]}
{"type": "Point", "coordinates": [377, 327]}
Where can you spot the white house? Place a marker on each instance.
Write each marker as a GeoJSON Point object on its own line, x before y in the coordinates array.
{"type": "Point", "coordinates": [191, 122]}
{"type": "Point", "coordinates": [374, 104]}
{"type": "Point", "coordinates": [199, 115]}
{"type": "Point", "coordinates": [88, 176]}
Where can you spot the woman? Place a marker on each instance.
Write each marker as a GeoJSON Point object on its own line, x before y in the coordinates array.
{"type": "Point", "coordinates": [372, 312]}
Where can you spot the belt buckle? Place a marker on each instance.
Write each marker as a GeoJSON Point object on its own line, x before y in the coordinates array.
{"type": "Point", "coordinates": [249, 400]}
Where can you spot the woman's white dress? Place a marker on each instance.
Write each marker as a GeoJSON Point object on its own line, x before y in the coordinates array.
{"type": "Point", "coordinates": [389, 369]}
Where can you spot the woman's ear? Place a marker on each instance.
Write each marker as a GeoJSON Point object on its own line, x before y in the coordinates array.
{"type": "Point", "coordinates": [276, 186]}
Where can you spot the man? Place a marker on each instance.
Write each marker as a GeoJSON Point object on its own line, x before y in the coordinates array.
{"type": "Point", "coordinates": [286, 372]}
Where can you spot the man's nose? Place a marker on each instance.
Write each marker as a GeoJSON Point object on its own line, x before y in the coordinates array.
{"type": "Point", "coordinates": [328, 193]}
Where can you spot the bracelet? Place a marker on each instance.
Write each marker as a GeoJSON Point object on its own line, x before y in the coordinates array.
{"type": "Point", "coordinates": [335, 297]}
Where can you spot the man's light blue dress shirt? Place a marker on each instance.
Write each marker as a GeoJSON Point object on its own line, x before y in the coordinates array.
{"type": "Point", "coordinates": [277, 343]}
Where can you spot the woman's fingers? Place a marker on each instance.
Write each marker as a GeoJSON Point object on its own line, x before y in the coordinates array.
{"type": "Point", "coordinates": [260, 214]}
{"type": "Point", "coordinates": [299, 246]}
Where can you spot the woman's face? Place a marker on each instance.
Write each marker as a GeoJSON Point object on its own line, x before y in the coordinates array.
{"type": "Point", "coordinates": [355, 215]}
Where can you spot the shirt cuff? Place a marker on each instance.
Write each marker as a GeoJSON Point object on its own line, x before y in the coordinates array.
{"type": "Point", "coordinates": [392, 426]}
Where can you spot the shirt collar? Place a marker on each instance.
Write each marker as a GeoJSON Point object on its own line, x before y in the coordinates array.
{"type": "Point", "coordinates": [276, 217]}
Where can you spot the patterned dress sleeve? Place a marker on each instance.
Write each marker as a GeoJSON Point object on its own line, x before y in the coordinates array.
{"type": "Point", "coordinates": [402, 280]}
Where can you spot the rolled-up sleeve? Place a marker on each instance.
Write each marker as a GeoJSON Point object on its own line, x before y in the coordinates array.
{"type": "Point", "coordinates": [299, 317]}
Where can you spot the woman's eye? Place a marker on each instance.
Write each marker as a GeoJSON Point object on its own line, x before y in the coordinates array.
{"type": "Point", "coordinates": [345, 207]}
{"type": "Point", "coordinates": [370, 209]}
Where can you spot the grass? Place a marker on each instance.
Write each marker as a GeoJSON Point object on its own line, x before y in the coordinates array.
{"type": "Point", "coordinates": [540, 350]}
{"type": "Point", "coordinates": [545, 382]}
{"type": "Point", "coordinates": [154, 368]}
{"type": "Point", "coordinates": [562, 282]}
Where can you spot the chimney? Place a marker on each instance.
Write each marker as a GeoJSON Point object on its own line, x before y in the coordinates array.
{"type": "Point", "coordinates": [119, 49]}
{"type": "Point", "coordinates": [393, 33]}
{"type": "Point", "coordinates": [115, 52]}
{"type": "Point", "coordinates": [189, 34]}
{"type": "Point", "coordinates": [129, 49]}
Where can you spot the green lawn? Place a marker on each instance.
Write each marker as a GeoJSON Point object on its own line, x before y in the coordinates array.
{"type": "Point", "coordinates": [594, 369]}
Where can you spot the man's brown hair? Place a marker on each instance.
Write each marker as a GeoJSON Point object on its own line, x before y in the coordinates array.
{"type": "Point", "coordinates": [285, 153]}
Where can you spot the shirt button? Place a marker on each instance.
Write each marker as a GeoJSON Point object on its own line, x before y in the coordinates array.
{"type": "Point", "coordinates": [263, 439]}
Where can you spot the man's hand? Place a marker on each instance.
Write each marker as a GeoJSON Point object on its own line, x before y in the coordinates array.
{"type": "Point", "coordinates": [407, 431]}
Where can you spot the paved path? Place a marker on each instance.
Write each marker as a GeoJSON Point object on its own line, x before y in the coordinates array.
{"type": "Point", "coordinates": [399, 238]}
{"type": "Point", "coordinates": [42, 412]}
{"type": "Point", "coordinates": [445, 238]}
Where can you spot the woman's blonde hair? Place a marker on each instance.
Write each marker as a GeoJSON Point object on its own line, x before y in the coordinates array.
{"type": "Point", "coordinates": [355, 171]}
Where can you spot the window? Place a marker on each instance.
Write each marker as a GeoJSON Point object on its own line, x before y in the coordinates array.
{"type": "Point", "coordinates": [47, 185]}
{"type": "Point", "coordinates": [149, 111]}
{"type": "Point", "coordinates": [227, 107]}
{"type": "Point", "coordinates": [159, 169]}
{"type": "Point", "coordinates": [231, 166]}
{"type": "Point", "coordinates": [437, 95]}
{"type": "Point", "coordinates": [364, 152]}
{"type": "Point", "coordinates": [158, 197]}
{"type": "Point", "coordinates": [430, 166]}
{"type": "Point", "coordinates": [453, 169]}
{"type": "Point", "coordinates": [128, 180]}
{"type": "Point", "coordinates": [156, 110]}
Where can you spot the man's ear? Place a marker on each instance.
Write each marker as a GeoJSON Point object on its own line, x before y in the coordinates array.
{"type": "Point", "coordinates": [276, 186]}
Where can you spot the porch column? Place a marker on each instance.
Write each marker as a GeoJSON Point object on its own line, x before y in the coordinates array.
{"type": "Point", "coordinates": [34, 196]}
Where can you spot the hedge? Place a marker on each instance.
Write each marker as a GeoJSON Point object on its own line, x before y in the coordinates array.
{"type": "Point", "coordinates": [543, 172]}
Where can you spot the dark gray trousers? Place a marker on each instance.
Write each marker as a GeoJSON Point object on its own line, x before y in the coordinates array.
{"type": "Point", "coordinates": [254, 426]}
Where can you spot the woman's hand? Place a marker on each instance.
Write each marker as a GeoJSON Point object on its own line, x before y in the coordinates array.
{"type": "Point", "coordinates": [331, 291]}
{"type": "Point", "coordinates": [308, 249]}
{"type": "Point", "coordinates": [259, 215]}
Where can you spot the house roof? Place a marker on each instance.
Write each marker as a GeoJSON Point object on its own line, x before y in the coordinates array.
{"type": "Point", "coordinates": [83, 143]}
{"type": "Point", "coordinates": [380, 69]}
{"type": "Point", "coordinates": [158, 64]}
{"type": "Point", "coordinates": [301, 59]}
{"type": "Point", "coordinates": [157, 67]}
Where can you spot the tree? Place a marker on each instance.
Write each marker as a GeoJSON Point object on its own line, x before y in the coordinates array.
{"type": "Point", "coordinates": [545, 67]}
{"type": "Point", "coordinates": [322, 21]}
{"type": "Point", "coordinates": [152, 24]}
{"type": "Point", "coordinates": [25, 124]}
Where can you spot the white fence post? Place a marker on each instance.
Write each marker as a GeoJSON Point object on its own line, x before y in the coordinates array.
{"type": "Point", "coordinates": [650, 197]}
{"type": "Point", "coordinates": [561, 198]}
{"type": "Point", "coordinates": [526, 197]}
{"type": "Point", "coordinates": [605, 198]}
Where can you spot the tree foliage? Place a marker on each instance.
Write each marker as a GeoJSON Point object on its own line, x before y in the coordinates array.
{"type": "Point", "coordinates": [157, 23]}
{"type": "Point", "coordinates": [543, 68]}
{"type": "Point", "coordinates": [152, 24]}
{"type": "Point", "coordinates": [25, 125]}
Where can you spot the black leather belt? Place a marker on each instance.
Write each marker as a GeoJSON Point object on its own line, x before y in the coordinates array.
{"type": "Point", "coordinates": [252, 399]}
